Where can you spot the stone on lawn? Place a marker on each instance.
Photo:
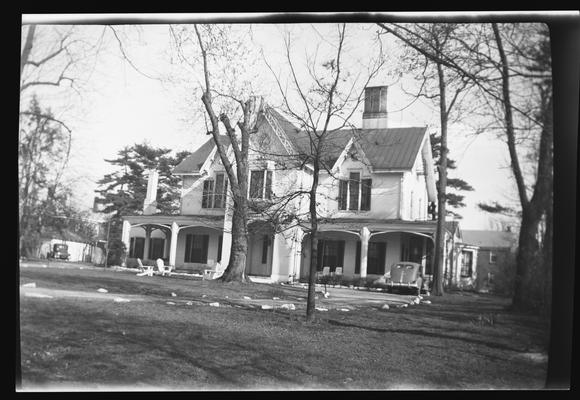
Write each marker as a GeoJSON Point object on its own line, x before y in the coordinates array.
{"type": "Point", "coordinates": [173, 294]}
{"type": "Point", "coordinates": [121, 300]}
{"type": "Point", "coordinates": [288, 306]}
{"type": "Point", "coordinates": [275, 298]}
{"type": "Point", "coordinates": [266, 307]}
{"type": "Point", "coordinates": [321, 309]}
{"type": "Point", "coordinates": [101, 290]}
{"type": "Point", "coordinates": [426, 302]}
{"type": "Point", "coordinates": [385, 307]}
{"type": "Point", "coordinates": [344, 309]}
{"type": "Point", "coordinates": [31, 284]}
{"type": "Point", "coordinates": [189, 303]}
{"type": "Point", "coordinates": [402, 305]}
{"type": "Point", "coordinates": [214, 304]}
{"type": "Point", "coordinates": [247, 298]}
{"type": "Point", "coordinates": [326, 294]}
{"type": "Point", "coordinates": [171, 303]}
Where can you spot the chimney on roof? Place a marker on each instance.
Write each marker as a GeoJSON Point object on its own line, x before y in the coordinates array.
{"type": "Point", "coordinates": [375, 111]}
{"type": "Point", "coordinates": [150, 203]}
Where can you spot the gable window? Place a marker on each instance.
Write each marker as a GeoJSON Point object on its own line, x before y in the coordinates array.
{"type": "Point", "coordinates": [214, 192]}
{"type": "Point", "coordinates": [355, 193]}
{"type": "Point", "coordinates": [196, 248]}
{"type": "Point", "coordinates": [261, 184]}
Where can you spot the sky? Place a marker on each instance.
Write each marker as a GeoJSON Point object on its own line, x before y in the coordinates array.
{"type": "Point", "coordinates": [123, 107]}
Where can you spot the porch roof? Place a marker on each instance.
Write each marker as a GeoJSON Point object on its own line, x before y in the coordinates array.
{"type": "Point", "coordinates": [378, 225]}
{"type": "Point", "coordinates": [211, 221]}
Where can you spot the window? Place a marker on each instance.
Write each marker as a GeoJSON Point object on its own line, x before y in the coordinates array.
{"type": "Point", "coordinates": [466, 264]}
{"type": "Point", "coordinates": [156, 248]}
{"type": "Point", "coordinates": [214, 192]}
{"type": "Point", "coordinates": [261, 184]}
{"type": "Point", "coordinates": [492, 257]}
{"type": "Point", "coordinates": [376, 258]}
{"type": "Point", "coordinates": [354, 194]}
{"type": "Point", "coordinates": [330, 254]}
{"type": "Point", "coordinates": [196, 248]}
{"type": "Point", "coordinates": [137, 247]}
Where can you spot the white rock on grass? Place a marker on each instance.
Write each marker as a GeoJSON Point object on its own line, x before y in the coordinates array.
{"type": "Point", "coordinates": [31, 284]}
{"type": "Point", "coordinates": [402, 305]}
{"type": "Point", "coordinates": [214, 304]}
{"type": "Point", "coordinates": [321, 309]}
{"type": "Point", "coordinates": [101, 290]}
{"type": "Point", "coordinates": [288, 306]}
{"type": "Point", "coordinates": [266, 307]}
{"type": "Point", "coordinates": [170, 303]}
{"type": "Point", "coordinates": [326, 294]}
{"type": "Point", "coordinates": [121, 300]}
{"type": "Point", "coordinates": [247, 298]}
{"type": "Point", "coordinates": [275, 298]}
{"type": "Point", "coordinates": [189, 303]}
{"type": "Point", "coordinates": [344, 309]}
{"type": "Point", "coordinates": [385, 307]}
{"type": "Point", "coordinates": [173, 294]}
{"type": "Point", "coordinates": [426, 302]}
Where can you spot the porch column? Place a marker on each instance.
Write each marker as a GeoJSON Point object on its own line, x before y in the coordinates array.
{"type": "Point", "coordinates": [126, 235]}
{"type": "Point", "coordinates": [166, 245]}
{"type": "Point", "coordinates": [365, 235]}
{"type": "Point", "coordinates": [147, 240]}
{"type": "Point", "coordinates": [173, 243]}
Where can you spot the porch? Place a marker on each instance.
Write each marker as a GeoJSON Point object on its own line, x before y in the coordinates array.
{"type": "Point", "coordinates": [367, 249]}
{"type": "Point", "coordinates": [191, 243]}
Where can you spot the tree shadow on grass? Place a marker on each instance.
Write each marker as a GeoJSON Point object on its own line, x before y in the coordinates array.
{"type": "Point", "coordinates": [426, 333]}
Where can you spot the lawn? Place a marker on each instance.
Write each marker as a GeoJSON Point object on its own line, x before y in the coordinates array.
{"type": "Point", "coordinates": [168, 337]}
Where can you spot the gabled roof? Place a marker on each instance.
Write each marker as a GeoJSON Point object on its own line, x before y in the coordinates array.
{"type": "Point", "coordinates": [483, 238]}
{"type": "Point", "coordinates": [391, 148]}
{"type": "Point", "coordinates": [192, 163]}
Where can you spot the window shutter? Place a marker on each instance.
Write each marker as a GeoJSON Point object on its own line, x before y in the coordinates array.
{"type": "Point", "coordinates": [365, 202]}
{"type": "Point", "coordinates": [219, 191]}
{"type": "Point", "coordinates": [357, 258]}
{"type": "Point", "coordinates": [342, 192]}
{"type": "Point", "coordinates": [219, 248]}
{"type": "Point", "coordinates": [188, 243]}
{"type": "Point", "coordinates": [268, 194]}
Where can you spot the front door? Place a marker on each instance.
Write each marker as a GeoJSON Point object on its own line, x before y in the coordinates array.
{"type": "Point", "coordinates": [260, 255]}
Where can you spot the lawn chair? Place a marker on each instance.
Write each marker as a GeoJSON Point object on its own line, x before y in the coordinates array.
{"type": "Point", "coordinates": [145, 270]}
{"type": "Point", "coordinates": [162, 268]}
{"type": "Point", "coordinates": [337, 276]}
{"type": "Point", "coordinates": [323, 277]}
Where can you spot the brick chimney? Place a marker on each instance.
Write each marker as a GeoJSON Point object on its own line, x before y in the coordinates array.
{"type": "Point", "coordinates": [150, 203]}
{"type": "Point", "coordinates": [375, 111]}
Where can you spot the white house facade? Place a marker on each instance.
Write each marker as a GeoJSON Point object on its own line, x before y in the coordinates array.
{"type": "Point", "coordinates": [374, 200]}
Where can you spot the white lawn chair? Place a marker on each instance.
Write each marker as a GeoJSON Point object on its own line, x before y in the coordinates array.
{"type": "Point", "coordinates": [337, 276]}
{"type": "Point", "coordinates": [163, 270]}
{"type": "Point", "coordinates": [145, 270]}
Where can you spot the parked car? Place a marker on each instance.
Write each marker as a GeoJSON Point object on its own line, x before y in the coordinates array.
{"type": "Point", "coordinates": [59, 251]}
{"type": "Point", "coordinates": [406, 275]}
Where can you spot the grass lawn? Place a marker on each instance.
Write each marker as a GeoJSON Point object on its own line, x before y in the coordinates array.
{"type": "Point", "coordinates": [82, 341]}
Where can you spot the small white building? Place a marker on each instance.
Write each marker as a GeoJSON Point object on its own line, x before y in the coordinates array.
{"type": "Point", "coordinates": [374, 203]}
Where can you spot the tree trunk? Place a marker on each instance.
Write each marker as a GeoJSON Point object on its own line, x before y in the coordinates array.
{"type": "Point", "coordinates": [527, 262]}
{"type": "Point", "coordinates": [442, 184]}
{"type": "Point", "coordinates": [235, 271]}
{"type": "Point", "coordinates": [311, 301]}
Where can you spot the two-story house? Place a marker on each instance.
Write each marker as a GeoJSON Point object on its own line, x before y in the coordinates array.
{"type": "Point", "coordinates": [374, 195]}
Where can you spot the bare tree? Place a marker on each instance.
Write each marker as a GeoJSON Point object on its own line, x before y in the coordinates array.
{"type": "Point", "coordinates": [321, 109]}
{"type": "Point", "coordinates": [430, 42]}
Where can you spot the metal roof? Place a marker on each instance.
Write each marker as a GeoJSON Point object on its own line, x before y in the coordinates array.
{"type": "Point", "coordinates": [193, 162]}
